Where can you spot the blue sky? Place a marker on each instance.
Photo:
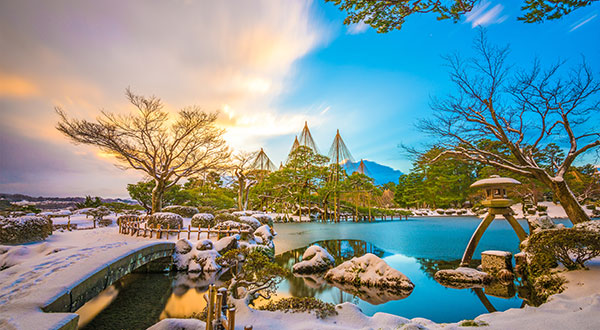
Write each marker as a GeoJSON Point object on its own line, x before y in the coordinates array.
{"type": "Point", "coordinates": [267, 65]}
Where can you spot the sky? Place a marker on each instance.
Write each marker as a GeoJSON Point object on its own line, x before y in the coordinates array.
{"type": "Point", "coordinates": [267, 66]}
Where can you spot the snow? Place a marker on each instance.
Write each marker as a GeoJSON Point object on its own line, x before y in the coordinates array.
{"type": "Point", "coordinates": [371, 271]}
{"type": "Point", "coordinates": [462, 277]}
{"type": "Point", "coordinates": [314, 260]}
{"type": "Point", "coordinates": [498, 253]}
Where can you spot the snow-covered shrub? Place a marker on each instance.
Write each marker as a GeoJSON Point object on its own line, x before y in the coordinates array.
{"type": "Point", "coordinates": [314, 260]}
{"type": "Point", "coordinates": [165, 219]}
{"type": "Point", "coordinates": [24, 229]}
{"type": "Point", "coordinates": [264, 219]}
{"type": "Point", "coordinates": [98, 213]}
{"type": "Point", "coordinates": [233, 225]}
{"type": "Point", "coordinates": [184, 211]}
{"type": "Point", "coordinates": [301, 305]}
{"type": "Point", "coordinates": [222, 217]}
{"type": "Point", "coordinates": [251, 221]}
{"type": "Point", "coordinates": [203, 220]}
{"type": "Point", "coordinates": [371, 271]}
{"type": "Point", "coordinates": [570, 246]}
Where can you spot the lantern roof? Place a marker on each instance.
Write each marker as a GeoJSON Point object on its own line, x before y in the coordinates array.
{"type": "Point", "coordinates": [494, 181]}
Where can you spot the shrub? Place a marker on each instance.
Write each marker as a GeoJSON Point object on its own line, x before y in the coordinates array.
{"type": "Point", "coordinates": [251, 221]}
{"type": "Point", "coordinates": [590, 207]}
{"type": "Point", "coordinates": [571, 247]}
{"type": "Point", "coordinates": [203, 220]}
{"type": "Point", "coordinates": [206, 209]}
{"type": "Point", "coordinates": [165, 219]}
{"type": "Point", "coordinates": [222, 217]}
{"type": "Point", "coordinates": [24, 229]}
{"type": "Point", "coordinates": [301, 305]}
{"type": "Point", "coordinates": [105, 222]}
{"type": "Point", "coordinates": [264, 219]}
{"type": "Point", "coordinates": [184, 211]}
{"type": "Point", "coordinates": [542, 208]}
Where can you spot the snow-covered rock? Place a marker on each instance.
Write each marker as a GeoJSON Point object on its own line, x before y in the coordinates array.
{"type": "Point", "coordinates": [24, 229]}
{"type": "Point", "coordinates": [251, 221]}
{"type": "Point", "coordinates": [264, 235]}
{"type": "Point", "coordinates": [183, 246]}
{"type": "Point", "coordinates": [179, 324]}
{"type": "Point", "coordinates": [203, 220]}
{"type": "Point", "coordinates": [541, 223]}
{"type": "Point", "coordinates": [314, 260]}
{"type": "Point", "coordinates": [165, 219]}
{"type": "Point", "coordinates": [227, 243]}
{"type": "Point", "coordinates": [205, 245]}
{"type": "Point", "coordinates": [204, 261]}
{"type": "Point", "coordinates": [462, 277]}
{"type": "Point", "coordinates": [370, 271]}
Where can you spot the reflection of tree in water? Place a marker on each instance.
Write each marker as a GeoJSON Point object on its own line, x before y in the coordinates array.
{"type": "Point", "coordinates": [431, 266]}
{"type": "Point", "coordinates": [311, 286]}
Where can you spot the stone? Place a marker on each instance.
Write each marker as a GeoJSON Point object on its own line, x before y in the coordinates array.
{"type": "Point", "coordinates": [541, 223]}
{"type": "Point", "coordinates": [314, 260]}
{"type": "Point", "coordinates": [205, 245]}
{"type": "Point", "coordinates": [462, 277]}
{"type": "Point", "coordinates": [227, 243]}
{"type": "Point", "coordinates": [494, 261]}
{"type": "Point", "coordinates": [183, 246]}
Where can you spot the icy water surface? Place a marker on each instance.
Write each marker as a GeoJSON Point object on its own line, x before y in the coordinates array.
{"type": "Point", "coordinates": [417, 247]}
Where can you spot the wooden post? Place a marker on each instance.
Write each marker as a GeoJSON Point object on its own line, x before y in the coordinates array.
{"type": "Point", "coordinates": [189, 231]}
{"type": "Point", "coordinates": [207, 234]}
{"type": "Point", "coordinates": [199, 233]}
{"type": "Point", "coordinates": [231, 318]}
{"type": "Point", "coordinates": [248, 327]}
{"type": "Point", "coordinates": [211, 300]}
{"type": "Point", "coordinates": [159, 234]}
{"type": "Point", "coordinates": [168, 228]}
{"type": "Point", "coordinates": [218, 306]}
{"type": "Point", "coordinates": [120, 226]}
{"type": "Point", "coordinates": [145, 229]}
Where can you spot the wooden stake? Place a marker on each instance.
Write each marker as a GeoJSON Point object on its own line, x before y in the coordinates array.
{"type": "Point", "coordinates": [231, 318]}
{"type": "Point", "coordinates": [189, 231]}
{"type": "Point", "coordinates": [218, 306]}
{"type": "Point", "coordinates": [211, 300]}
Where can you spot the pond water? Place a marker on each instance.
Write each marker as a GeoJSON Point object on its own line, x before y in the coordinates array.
{"type": "Point", "coordinates": [417, 247]}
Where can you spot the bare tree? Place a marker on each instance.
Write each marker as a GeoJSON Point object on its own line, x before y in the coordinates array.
{"type": "Point", "coordinates": [523, 110]}
{"type": "Point", "coordinates": [147, 141]}
{"type": "Point", "coordinates": [243, 170]}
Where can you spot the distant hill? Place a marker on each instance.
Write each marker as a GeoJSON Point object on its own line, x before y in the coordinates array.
{"type": "Point", "coordinates": [382, 174]}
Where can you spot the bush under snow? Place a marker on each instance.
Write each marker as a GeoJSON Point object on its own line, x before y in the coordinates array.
{"type": "Point", "coordinates": [250, 221]}
{"type": "Point", "coordinates": [314, 260]}
{"type": "Point", "coordinates": [24, 229]}
{"type": "Point", "coordinates": [203, 220]}
{"type": "Point", "coordinates": [184, 211]}
{"type": "Point", "coordinates": [165, 219]}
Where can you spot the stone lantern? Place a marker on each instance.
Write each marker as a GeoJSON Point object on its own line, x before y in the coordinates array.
{"type": "Point", "coordinates": [498, 204]}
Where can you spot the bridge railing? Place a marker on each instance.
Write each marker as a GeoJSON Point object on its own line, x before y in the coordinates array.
{"type": "Point", "coordinates": [138, 227]}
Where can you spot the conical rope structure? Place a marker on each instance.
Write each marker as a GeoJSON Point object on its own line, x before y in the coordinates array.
{"type": "Point", "coordinates": [306, 139]}
{"type": "Point", "coordinates": [262, 162]}
{"type": "Point", "coordinates": [339, 155]}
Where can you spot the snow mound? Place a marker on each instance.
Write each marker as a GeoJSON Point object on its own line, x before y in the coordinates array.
{"type": "Point", "coordinates": [184, 211]}
{"type": "Point", "coordinates": [370, 271]}
{"type": "Point", "coordinates": [204, 261]}
{"type": "Point", "coordinates": [314, 260]}
{"type": "Point", "coordinates": [229, 224]}
{"type": "Point", "coordinates": [195, 260]}
{"type": "Point", "coordinates": [462, 277]}
{"type": "Point", "coordinates": [205, 245]}
{"type": "Point", "coordinates": [179, 324]}
{"type": "Point", "coordinates": [265, 219]}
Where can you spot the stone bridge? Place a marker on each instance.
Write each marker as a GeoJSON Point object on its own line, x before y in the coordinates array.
{"type": "Point", "coordinates": [155, 258]}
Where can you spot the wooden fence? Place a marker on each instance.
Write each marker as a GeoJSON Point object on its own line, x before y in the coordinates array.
{"type": "Point", "coordinates": [137, 227]}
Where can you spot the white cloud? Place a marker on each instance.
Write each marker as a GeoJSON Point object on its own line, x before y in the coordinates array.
{"type": "Point", "coordinates": [82, 55]}
{"type": "Point", "coordinates": [357, 28]}
{"type": "Point", "coordinates": [581, 22]}
{"type": "Point", "coordinates": [480, 15]}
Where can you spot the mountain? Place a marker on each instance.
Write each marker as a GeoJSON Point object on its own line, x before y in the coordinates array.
{"type": "Point", "coordinates": [382, 174]}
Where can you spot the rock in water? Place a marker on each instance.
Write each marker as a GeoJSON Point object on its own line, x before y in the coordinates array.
{"type": "Point", "coordinates": [369, 271]}
{"type": "Point", "coordinates": [314, 260]}
{"type": "Point", "coordinates": [462, 277]}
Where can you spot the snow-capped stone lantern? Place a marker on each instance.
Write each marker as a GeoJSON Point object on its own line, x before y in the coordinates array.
{"type": "Point", "coordinates": [495, 190]}
{"type": "Point", "coordinates": [497, 203]}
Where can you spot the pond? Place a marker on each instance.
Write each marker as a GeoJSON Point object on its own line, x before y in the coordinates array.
{"type": "Point", "coordinates": [417, 247]}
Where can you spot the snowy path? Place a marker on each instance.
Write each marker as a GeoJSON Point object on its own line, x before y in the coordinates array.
{"type": "Point", "coordinates": [44, 271]}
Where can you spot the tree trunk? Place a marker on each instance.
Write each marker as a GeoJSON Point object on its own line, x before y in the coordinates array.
{"type": "Point", "coordinates": [241, 186]}
{"type": "Point", "coordinates": [157, 193]}
{"type": "Point", "coordinates": [568, 201]}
